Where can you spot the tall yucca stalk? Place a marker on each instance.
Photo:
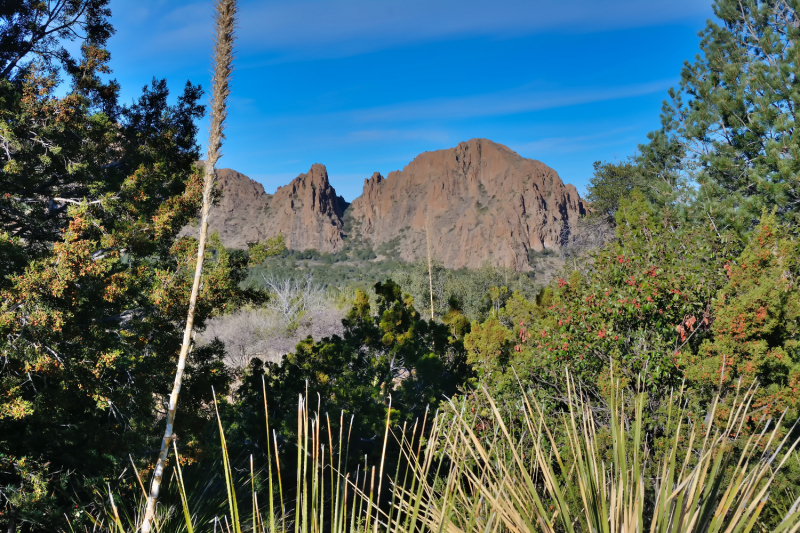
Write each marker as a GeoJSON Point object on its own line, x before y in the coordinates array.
{"type": "Point", "coordinates": [430, 271]}
{"type": "Point", "coordinates": [223, 67]}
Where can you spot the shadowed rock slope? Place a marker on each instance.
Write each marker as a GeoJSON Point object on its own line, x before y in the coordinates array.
{"type": "Point", "coordinates": [481, 203]}
{"type": "Point", "coordinates": [306, 211]}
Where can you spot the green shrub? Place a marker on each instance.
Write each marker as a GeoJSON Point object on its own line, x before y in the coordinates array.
{"type": "Point", "coordinates": [395, 353]}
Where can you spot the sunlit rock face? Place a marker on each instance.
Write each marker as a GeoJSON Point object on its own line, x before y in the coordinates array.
{"type": "Point", "coordinates": [480, 203]}
{"type": "Point", "coordinates": [306, 211]}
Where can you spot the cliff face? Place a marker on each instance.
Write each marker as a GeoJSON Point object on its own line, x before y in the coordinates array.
{"type": "Point", "coordinates": [306, 211]}
{"type": "Point", "coordinates": [481, 201]}
{"type": "Point", "coordinates": [239, 214]}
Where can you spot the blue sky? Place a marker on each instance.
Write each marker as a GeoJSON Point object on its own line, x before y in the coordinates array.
{"type": "Point", "coordinates": [366, 85]}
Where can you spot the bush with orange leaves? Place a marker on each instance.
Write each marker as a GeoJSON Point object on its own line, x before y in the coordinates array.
{"type": "Point", "coordinates": [94, 287]}
{"type": "Point", "coordinates": [756, 328]}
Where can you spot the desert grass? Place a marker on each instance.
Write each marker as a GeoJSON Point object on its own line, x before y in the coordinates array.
{"type": "Point", "coordinates": [451, 475]}
{"type": "Point", "coordinates": [497, 485]}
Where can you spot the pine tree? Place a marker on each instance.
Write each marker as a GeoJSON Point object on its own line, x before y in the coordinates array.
{"type": "Point", "coordinates": [35, 31]}
{"type": "Point", "coordinates": [611, 183]}
{"type": "Point", "coordinates": [733, 119]}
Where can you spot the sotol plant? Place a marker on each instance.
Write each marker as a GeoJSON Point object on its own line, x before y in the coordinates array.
{"type": "Point", "coordinates": [462, 473]}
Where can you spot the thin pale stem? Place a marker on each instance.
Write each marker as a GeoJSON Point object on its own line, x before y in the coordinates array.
{"type": "Point", "coordinates": [223, 67]}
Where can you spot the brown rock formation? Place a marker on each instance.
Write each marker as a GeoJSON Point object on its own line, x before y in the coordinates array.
{"type": "Point", "coordinates": [306, 211]}
{"type": "Point", "coordinates": [482, 202]}
{"type": "Point", "coordinates": [238, 214]}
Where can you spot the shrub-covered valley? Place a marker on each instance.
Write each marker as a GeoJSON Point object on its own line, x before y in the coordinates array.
{"type": "Point", "coordinates": [467, 346]}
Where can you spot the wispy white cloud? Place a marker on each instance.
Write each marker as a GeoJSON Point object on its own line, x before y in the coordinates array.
{"type": "Point", "coordinates": [410, 120]}
{"type": "Point", "coordinates": [299, 28]}
{"type": "Point", "coordinates": [518, 100]}
{"type": "Point", "coordinates": [156, 30]}
{"type": "Point", "coordinates": [300, 23]}
{"type": "Point", "coordinates": [578, 143]}
{"type": "Point", "coordinates": [383, 135]}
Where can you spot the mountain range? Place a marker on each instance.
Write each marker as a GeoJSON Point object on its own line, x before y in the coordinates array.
{"type": "Point", "coordinates": [476, 203]}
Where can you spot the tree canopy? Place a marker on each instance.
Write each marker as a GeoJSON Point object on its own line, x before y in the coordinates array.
{"type": "Point", "coordinates": [734, 113]}
{"type": "Point", "coordinates": [95, 281]}
{"type": "Point", "coordinates": [31, 31]}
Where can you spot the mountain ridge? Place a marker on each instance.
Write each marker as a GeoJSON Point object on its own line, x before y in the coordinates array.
{"type": "Point", "coordinates": [477, 202]}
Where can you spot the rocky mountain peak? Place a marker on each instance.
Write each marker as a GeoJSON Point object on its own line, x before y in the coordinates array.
{"type": "Point", "coordinates": [307, 211]}
{"type": "Point", "coordinates": [479, 202]}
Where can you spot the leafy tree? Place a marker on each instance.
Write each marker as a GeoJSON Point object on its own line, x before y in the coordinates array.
{"type": "Point", "coordinates": [32, 30]}
{"type": "Point", "coordinates": [456, 320]}
{"type": "Point", "coordinates": [623, 312]}
{"type": "Point", "coordinates": [414, 279]}
{"type": "Point", "coordinates": [756, 326]}
{"type": "Point", "coordinates": [664, 170]}
{"type": "Point", "coordinates": [94, 285]}
{"type": "Point", "coordinates": [259, 251]}
{"type": "Point", "coordinates": [469, 291]}
{"type": "Point", "coordinates": [611, 183]}
{"type": "Point", "coordinates": [488, 346]}
{"type": "Point", "coordinates": [663, 307]}
{"type": "Point", "coordinates": [701, 276]}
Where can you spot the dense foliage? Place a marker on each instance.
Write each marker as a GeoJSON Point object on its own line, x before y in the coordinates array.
{"type": "Point", "coordinates": [610, 184]}
{"type": "Point", "coordinates": [94, 282]}
{"type": "Point", "coordinates": [699, 288]}
{"type": "Point", "coordinates": [394, 356]}
{"type": "Point", "coordinates": [734, 113]}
